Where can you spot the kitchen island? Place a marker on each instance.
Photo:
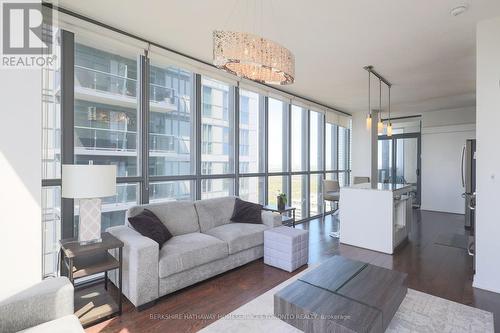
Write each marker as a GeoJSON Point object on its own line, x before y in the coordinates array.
{"type": "Point", "coordinates": [375, 216]}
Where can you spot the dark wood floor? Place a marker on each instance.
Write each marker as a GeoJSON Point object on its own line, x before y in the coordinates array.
{"type": "Point", "coordinates": [439, 270]}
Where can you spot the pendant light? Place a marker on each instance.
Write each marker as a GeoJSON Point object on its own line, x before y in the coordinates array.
{"type": "Point", "coordinates": [369, 116]}
{"type": "Point", "coordinates": [380, 124]}
{"type": "Point", "coordinates": [389, 125]}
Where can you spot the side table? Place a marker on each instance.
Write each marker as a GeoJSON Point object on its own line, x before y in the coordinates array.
{"type": "Point", "coordinates": [93, 305]}
{"type": "Point", "coordinates": [285, 219]}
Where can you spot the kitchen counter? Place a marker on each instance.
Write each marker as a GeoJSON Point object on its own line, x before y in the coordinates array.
{"type": "Point", "coordinates": [375, 216]}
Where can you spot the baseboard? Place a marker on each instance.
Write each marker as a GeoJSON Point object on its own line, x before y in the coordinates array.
{"type": "Point", "coordinates": [477, 283]}
{"type": "Point", "coordinates": [423, 208]}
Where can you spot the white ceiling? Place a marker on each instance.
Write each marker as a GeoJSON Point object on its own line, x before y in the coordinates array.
{"type": "Point", "coordinates": [425, 52]}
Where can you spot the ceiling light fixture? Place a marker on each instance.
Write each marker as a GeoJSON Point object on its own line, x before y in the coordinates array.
{"type": "Point", "coordinates": [253, 57]}
{"type": "Point", "coordinates": [380, 124]}
{"type": "Point", "coordinates": [369, 116]}
{"type": "Point", "coordinates": [459, 10]}
{"type": "Point", "coordinates": [389, 124]}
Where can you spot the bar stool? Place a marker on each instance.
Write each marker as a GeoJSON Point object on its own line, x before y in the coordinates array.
{"type": "Point", "coordinates": [331, 192]}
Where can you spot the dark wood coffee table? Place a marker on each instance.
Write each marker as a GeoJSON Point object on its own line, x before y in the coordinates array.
{"type": "Point", "coordinates": [342, 295]}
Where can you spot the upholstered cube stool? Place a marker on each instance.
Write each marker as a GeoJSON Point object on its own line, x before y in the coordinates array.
{"type": "Point", "coordinates": [286, 248]}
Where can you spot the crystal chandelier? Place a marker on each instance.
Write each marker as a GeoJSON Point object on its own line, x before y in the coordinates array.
{"type": "Point", "coordinates": [253, 57]}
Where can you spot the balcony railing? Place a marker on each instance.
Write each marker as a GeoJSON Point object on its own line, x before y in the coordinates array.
{"type": "Point", "coordinates": [109, 83]}
{"type": "Point", "coordinates": [126, 141]}
{"type": "Point", "coordinates": [105, 139]}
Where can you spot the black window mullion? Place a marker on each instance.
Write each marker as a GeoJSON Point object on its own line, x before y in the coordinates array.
{"type": "Point", "coordinates": [265, 101]}
{"type": "Point", "coordinates": [197, 119]}
{"type": "Point", "coordinates": [67, 124]}
{"type": "Point", "coordinates": [143, 65]}
{"type": "Point", "coordinates": [236, 105]}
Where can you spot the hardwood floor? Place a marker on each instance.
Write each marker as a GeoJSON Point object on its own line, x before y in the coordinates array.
{"type": "Point", "coordinates": [439, 270]}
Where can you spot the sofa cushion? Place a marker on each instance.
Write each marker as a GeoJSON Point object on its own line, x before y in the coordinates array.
{"type": "Point", "coordinates": [214, 212]}
{"type": "Point", "coordinates": [186, 251]}
{"type": "Point", "coordinates": [66, 324]}
{"type": "Point", "coordinates": [239, 236]}
{"type": "Point", "coordinates": [178, 216]}
{"type": "Point", "coordinates": [246, 212]}
{"type": "Point", "coordinates": [149, 225]}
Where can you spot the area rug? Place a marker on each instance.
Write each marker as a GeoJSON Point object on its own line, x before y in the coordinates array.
{"type": "Point", "coordinates": [419, 312]}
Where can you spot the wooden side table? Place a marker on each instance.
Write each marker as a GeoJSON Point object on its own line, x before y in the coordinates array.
{"type": "Point", "coordinates": [285, 219]}
{"type": "Point", "coordinates": [93, 305]}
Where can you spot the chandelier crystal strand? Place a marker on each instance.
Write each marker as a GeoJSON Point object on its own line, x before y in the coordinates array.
{"type": "Point", "coordinates": [253, 57]}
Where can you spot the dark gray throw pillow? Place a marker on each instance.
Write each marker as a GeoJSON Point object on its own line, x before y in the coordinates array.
{"type": "Point", "coordinates": [247, 212]}
{"type": "Point", "coordinates": [149, 225]}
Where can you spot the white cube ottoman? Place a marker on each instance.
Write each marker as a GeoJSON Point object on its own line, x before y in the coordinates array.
{"type": "Point", "coordinates": [286, 248]}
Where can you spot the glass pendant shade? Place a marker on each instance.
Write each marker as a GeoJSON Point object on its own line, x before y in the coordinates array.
{"type": "Point", "coordinates": [380, 126]}
{"type": "Point", "coordinates": [389, 129]}
{"type": "Point", "coordinates": [368, 121]}
{"type": "Point", "coordinates": [253, 57]}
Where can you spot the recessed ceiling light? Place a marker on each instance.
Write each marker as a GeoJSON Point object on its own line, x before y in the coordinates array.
{"type": "Point", "coordinates": [459, 10]}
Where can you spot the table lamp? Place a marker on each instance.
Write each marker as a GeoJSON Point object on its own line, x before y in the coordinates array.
{"type": "Point", "coordinates": [89, 183]}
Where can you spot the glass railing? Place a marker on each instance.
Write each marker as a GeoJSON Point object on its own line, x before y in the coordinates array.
{"type": "Point", "coordinates": [105, 139]}
{"type": "Point", "coordinates": [105, 82]}
{"type": "Point", "coordinates": [100, 81]}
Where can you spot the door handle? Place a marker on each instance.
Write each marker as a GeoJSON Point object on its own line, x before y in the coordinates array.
{"type": "Point", "coordinates": [470, 249]}
{"type": "Point", "coordinates": [462, 166]}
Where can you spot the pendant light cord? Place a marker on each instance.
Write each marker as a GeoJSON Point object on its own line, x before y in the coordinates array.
{"type": "Point", "coordinates": [389, 105]}
{"type": "Point", "coordinates": [380, 98]}
{"type": "Point", "coordinates": [369, 94]}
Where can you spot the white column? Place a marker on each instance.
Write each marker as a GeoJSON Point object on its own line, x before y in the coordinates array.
{"type": "Point", "coordinates": [488, 156]}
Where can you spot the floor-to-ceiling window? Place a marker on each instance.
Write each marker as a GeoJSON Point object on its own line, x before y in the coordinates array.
{"type": "Point", "coordinates": [316, 162]}
{"type": "Point", "coordinates": [251, 146]}
{"type": "Point", "coordinates": [175, 134]}
{"type": "Point", "coordinates": [171, 153]}
{"type": "Point", "coordinates": [106, 120]}
{"type": "Point", "coordinates": [278, 148]}
{"type": "Point", "coordinates": [299, 153]}
{"type": "Point", "coordinates": [51, 165]}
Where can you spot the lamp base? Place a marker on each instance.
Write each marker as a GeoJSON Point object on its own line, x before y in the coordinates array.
{"type": "Point", "coordinates": [89, 226]}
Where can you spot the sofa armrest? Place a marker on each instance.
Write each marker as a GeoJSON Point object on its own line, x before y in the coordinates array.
{"type": "Point", "coordinates": [140, 265]}
{"type": "Point", "coordinates": [45, 301]}
{"type": "Point", "coordinates": [271, 219]}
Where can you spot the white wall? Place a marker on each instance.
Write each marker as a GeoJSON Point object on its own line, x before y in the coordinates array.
{"type": "Point", "coordinates": [441, 167]}
{"type": "Point", "coordinates": [443, 135]}
{"type": "Point", "coordinates": [20, 179]}
{"type": "Point", "coordinates": [488, 156]}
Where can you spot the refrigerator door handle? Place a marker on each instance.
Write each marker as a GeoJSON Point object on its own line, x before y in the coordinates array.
{"type": "Point", "coordinates": [462, 166]}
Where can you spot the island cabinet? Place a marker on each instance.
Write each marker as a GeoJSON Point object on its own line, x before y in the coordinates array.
{"type": "Point", "coordinates": [375, 216]}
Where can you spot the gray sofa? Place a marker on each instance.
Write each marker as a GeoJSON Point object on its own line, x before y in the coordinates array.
{"type": "Point", "coordinates": [205, 243]}
{"type": "Point", "coordinates": [46, 307]}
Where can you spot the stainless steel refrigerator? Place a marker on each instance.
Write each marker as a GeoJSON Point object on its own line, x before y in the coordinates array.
{"type": "Point", "coordinates": [469, 185]}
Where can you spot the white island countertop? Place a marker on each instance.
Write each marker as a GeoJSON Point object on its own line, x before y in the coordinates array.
{"type": "Point", "coordinates": [399, 188]}
{"type": "Point", "coordinates": [375, 216]}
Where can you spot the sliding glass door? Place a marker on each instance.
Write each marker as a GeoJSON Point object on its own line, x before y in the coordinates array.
{"type": "Point", "coordinates": [399, 161]}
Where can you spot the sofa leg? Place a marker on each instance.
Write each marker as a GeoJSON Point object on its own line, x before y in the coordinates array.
{"type": "Point", "coordinates": [146, 306]}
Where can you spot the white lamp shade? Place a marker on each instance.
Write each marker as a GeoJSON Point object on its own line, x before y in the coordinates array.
{"type": "Point", "coordinates": [88, 181]}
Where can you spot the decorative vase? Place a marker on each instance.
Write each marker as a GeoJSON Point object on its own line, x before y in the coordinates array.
{"type": "Point", "coordinates": [281, 203]}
